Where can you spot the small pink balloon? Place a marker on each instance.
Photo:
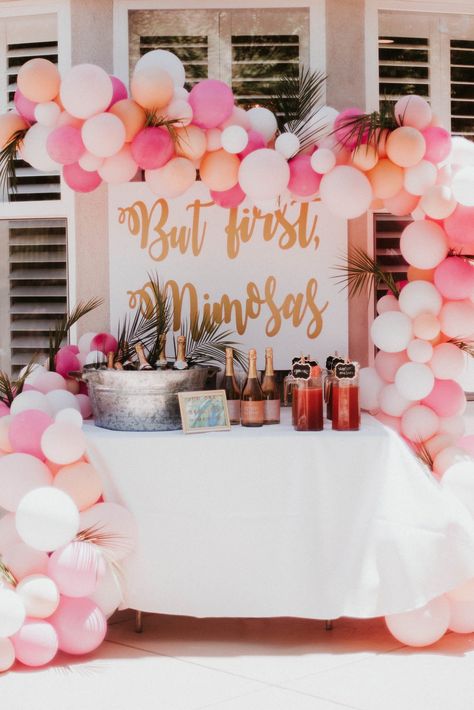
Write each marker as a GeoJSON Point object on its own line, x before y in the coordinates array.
{"type": "Point", "coordinates": [76, 568]}
{"type": "Point", "coordinates": [255, 142]}
{"type": "Point", "coordinates": [447, 398]}
{"type": "Point", "coordinates": [49, 381]}
{"type": "Point", "coordinates": [104, 342]}
{"type": "Point", "coordinates": [454, 278]}
{"type": "Point", "coordinates": [20, 474]}
{"type": "Point", "coordinates": [63, 443]}
{"type": "Point", "coordinates": [80, 481]}
{"type": "Point", "coordinates": [459, 227]}
{"type": "Point", "coordinates": [387, 364]}
{"type": "Point", "coordinates": [5, 409]}
{"type": "Point", "coordinates": [438, 143]}
{"type": "Point", "coordinates": [26, 430]}
{"type": "Point", "coordinates": [66, 362]}
{"type": "Point", "coordinates": [152, 148]}
{"type": "Point", "coordinates": [467, 443]}
{"type": "Point", "coordinates": [36, 643]}
{"type": "Point", "coordinates": [23, 560]}
{"type": "Point", "coordinates": [81, 180]}
{"type": "Point", "coordinates": [64, 145]}
{"type": "Point", "coordinates": [212, 102]}
{"type": "Point", "coordinates": [227, 198]}
{"type": "Point", "coordinates": [119, 91]}
{"type": "Point", "coordinates": [24, 106]}
{"type": "Point", "coordinates": [344, 127]}
{"type": "Point", "coordinates": [85, 405]}
{"type": "Point", "coordinates": [303, 180]}
{"type": "Point", "coordinates": [80, 624]}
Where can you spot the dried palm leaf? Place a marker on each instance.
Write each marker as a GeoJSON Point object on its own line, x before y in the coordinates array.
{"type": "Point", "coordinates": [424, 454]}
{"type": "Point", "coordinates": [7, 574]}
{"type": "Point", "coordinates": [206, 343]}
{"type": "Point", "coordinates": [64, 325]}
{"type": "Point", "coordinates": [296, 103]}
{"type": "Point", "coordinates": [101, 537]}
{"type": "Point", "coordinates": [362, 274]}
{"type": "Point", "coordinates": [467, 346]}
{"type": "Point", "coordinates": [367, 128]}
{"type": "Point", "coordinates": [9, 388]}
{"type": "Point", "coordinates": [8, 154]}
{"type": "Point", "coordinates": [154, 120]}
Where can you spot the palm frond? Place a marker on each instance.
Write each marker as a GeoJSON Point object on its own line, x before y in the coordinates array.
{"type": "Point", "coordinates": [297, 97]}
{"type": "Point", "coordinates": [467, 346]}
{"type": "Point", "coordinates": [8, 180]}
{"type": "Point", "coordinates": [424, 454]}
{"type": "Point", "coordinates": [10, 388]}
{"type": "Point", "coordinates": [101, 537]}
{"type": "Point", "coordinates": [64, 324]}
{"type": "Point", "coordinates": [154, 120]}
{"type": "Point", "coordinates": [7, 574]}
{"type": "Point", "coordinates": [367, 128]}
{"type": "Point", "coordinates": [206, 343]}
{"type": "Point", "coordinates": [361, 274]}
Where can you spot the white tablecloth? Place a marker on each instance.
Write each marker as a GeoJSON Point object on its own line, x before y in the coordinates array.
{"type": "Point", "coordinates": [273, 522]}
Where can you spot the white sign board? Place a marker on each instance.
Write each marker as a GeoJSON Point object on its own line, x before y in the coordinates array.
{"type": "Point", "coordinates": [267, 276]}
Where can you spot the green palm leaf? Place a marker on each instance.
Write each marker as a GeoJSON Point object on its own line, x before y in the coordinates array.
{"type": "Point", "coordinates": [8, 154]}
{"type": "Point", "coordinates": [206, 342]}
{"type": "Point", "coordinates": [64, 324]}
{"type": "Point", "coordinates": [361, 274]}
{"type": "Point", "coordinates": [10, 388]}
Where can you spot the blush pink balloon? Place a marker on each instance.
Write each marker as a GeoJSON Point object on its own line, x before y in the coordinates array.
{"type": "Point", "coordinates": [212, 102]}
{"type": "Point", "coordinates": [459, 227]}
{"type": "Point", "coordinates": [255, 142]}
{"type": "Point", "coordinates": [227, 198]}
{"type": "Point", "coordinates": [26, 430]}
{"type": "Point", "coordinates": [343, 127]}
{"type": "Point", "coordinates": [80, 481]}
{"type": "Point", "coordinates": [116, 521]}
{"type": "Point", "coordinates": [438, 143]}
{"type": "Point", "coordinates": [23, 560]}
{"type": "Point", "coordinates": [5, 409]}
{"type": "Point", "coordinates": [152, 148]}
{"type": "Point", "coordinates": [447, 398]}
{"type": "Point", "coordinates": [66, 362]}
{"type": "Point", "coordinates": [387, 364]}
{"type": "Point", "coordinates": [20, 474]}
{"type": "Point", "coordinates": [76, 568]}
{"type": "Point", "coordinates": [73, 348]}
{"type": "Point", "coordinates": [84, 404]}
{"type": "Point", "coordinates": [401, 204]}
{"type": "Point", "coordinates": [80, 624]}
{"type": "Point", "coordinates": [24, 106]}
{"type": "Point", "coordinates": [49, 381]}
{"type": "Point", "coordinates": [454, 278]}
{"type": "Point", "coordinates": [63, 443]}
{"type": "Point", "coordinates": [119, 91]}
{"type": "Point", "coordinates": [104, 342]}
{"type": "Point", "coordinates": [81, 180]}
{"type": "Point", "coordinates": [36, 643]}
{"type": "Point", "coordinates": [303, 180]}
{"type": "Point", "coordinates": [467, 443]}
{"type": "Point", "coordinates": [64, 145]}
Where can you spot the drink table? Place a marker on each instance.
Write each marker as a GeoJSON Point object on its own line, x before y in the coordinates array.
{"type": "Point", "coordinates": [272, 522]}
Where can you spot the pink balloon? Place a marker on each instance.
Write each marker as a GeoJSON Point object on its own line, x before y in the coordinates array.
{"type": "Point", "coordinates": [119, 91]}
{"type": "Point", "coordinates": [76, 568]}
{"type": "Point", "coordinates": [401, 204]}
{"type": "Point", "coordinates": [454, 278]}
{"type": "Point", "coordinates": [459, 226]}
{"type": "Point", "coordinates": [255, 142]}
{"type": "Point", "coordinates": [80, 624]}
{"type": "Point", "coordinates": [387, 364]}
{"type": "Point", "coordinates": [66, 362]}
{"type": "Point", "coordinates": [8, 533]}
{"type": "Point", "coordinates": [85, 405]}
{"type": "Point", "coordinates": [392, 422]}
{"type": "Point", "coordinates": [303, 180]}
{"type": "Point", "coordinates": [81, 180]}
{"type": "Point", "coordinates": [36, 643]}
{"type": "Point", "coordinates": [20, 474]}
{"type": "Point", "coordinates": [24, 106]}
{"type": "Point", "coordinates": [23, 560]}
{"type": "Point", "coordinates": [422, 626]}
{"type": "Point", "coordinates": [63, 443]}
{"type": "Point", "coordinates": [447, 398]}
{"type": "Point", "coordinates": [64, 145]}
{"type": "Point", "coordinates": [227, 198]}
{"type": "Point", "coordinates": [115, 521]}
{"type": "Point", "coordinates": [467, 443]}
{"type": "Point", "coordinates": [49, 381]}
{"type": "Point", "coordinates": [104, 342]}
{"type": "Point", "coordinates": [80, 481]}
{"type": "Point", "coordinates": [26, 430]}
{"type": "Point", "coordinates": [343, 127]}
{"type": "Point", "coordinates": [152, 148]}
{"type": "Point", "coordinates": [424, 244]}
{"type": "Point", "coordinates": [73, 348]}
{"type": "Point", "coordinates": [212, 102]}
{"type": "Point", "coordinates": [5, 409]}
{"type": "Point", "coordinates": [438, 143]}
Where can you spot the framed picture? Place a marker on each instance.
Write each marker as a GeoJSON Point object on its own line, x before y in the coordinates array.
{"type": "Point", "coordinates": [204, 411]}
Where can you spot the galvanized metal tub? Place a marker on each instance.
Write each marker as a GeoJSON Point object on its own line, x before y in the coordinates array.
{"type": "Point", "coordinates": [141, 400]}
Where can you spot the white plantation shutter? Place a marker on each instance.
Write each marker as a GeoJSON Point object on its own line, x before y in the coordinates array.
{"type": "Point", "coordinates": [462, 87]}
{"type": "Point", "coordinates": [388, 230]}
{"type": "Point", "coordinates": [403, 67]}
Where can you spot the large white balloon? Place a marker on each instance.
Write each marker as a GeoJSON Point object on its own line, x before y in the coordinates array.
{"type": "Point", "coordinates": [169, 62]}
{"type": "Point", "coordinates": [39, 594]}
{"type": "Point", "coordinates": [234, 139]}
{"type": "Point", "coordinates": [419, 423]}
{"type": "Point", "coordinates": [392, 402]}
{"type": "Point", "coordinates": [423, 626]}
{"type": "Point", "coordinates": [414, 381]}
{"type": "Point", "coordinates": [287, 144]}
{"type": "Point", "coordinates": [420, 297]}
{"type": "Point", "coordinates": [12, 612]}
{"type": "Point", "coordinates": [346, 192]}
{"type": "Point", "coordinates": [263, 120]}
{"type": "Point", "coordinates": [392, 331]}
{"type": "Point", "coordinates": [371, 385]}
{"type": "Point", "coordinates": [31, 400]}
{"type": "Point", "coordinates": [33, 149]}
{"type": "Point", "coordinates": [47, 518]}
{"type": "Point", "coordinates": [264, 174]}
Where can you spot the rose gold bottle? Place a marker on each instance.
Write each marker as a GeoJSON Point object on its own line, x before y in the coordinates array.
{"type": "Point", "coordinates": [231, 388]}
{"type": "Point", "coordinates": [251, 404]}
{"type": "Point", "coordinates": [271, 393]}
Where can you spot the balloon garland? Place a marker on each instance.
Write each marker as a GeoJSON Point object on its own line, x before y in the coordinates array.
{"type": "Point", "coordinates": [87, 125]}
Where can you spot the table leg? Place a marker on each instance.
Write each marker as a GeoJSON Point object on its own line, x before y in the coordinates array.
{"type": "Point", "coordinates": [138, 622]}
{"type": "Point", "coordinates": [328, 625]}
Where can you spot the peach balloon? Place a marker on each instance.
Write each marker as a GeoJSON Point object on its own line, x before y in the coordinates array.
{"type": "Point", "coordinates": [85, 90]}
{"type": "Point", "coordinates": [173, 179]}
{"type": "Point", "coordinates": [80, 481]}
{"type": "Point", "coordinates": [103, 134]}
{"type": "Point", "coordinates": [386, 179]}
{"type": "Point", "coordinates": [424, 244]}
{"type": "Point", "coordinates": [214, 141]}
{"type": "Point", "coordinates": [191, 142]}
{"type": "Point", "coordinates": [415, 274]}
{"type": "Point", "coordinates": [401, 204]}
{"type": "Point", "coordinates": [220, 170]}
{"type": "Point", "coordinates": [132, 116]}
{"type": "Point", "coordinates": [152, 87]}
{"type": "Point", "coordinates": [39, 80]}
{"type": "Point", "coordinates": [448, 361]}
{"type": "Point", "coordinates": [387, 303]}
{"type": "Point", "coordinates": [10, 123]}
{"type": "Point", "coordinates": [426, 326]}
{"type": "Point", "coordinates": [439, 442]}
{"type": "Point", "coordinates": [405, 146]}
{"type": "Point", "coordinates": [438, 202]}
{"type": "Point", "coordinates": [447, 457]}
{"type": "Point", "coordinates": [387, 364]}
{"type": "Point", "coordinates": [365, 157]}
{"type": "Point", "coordinates": [413, 110]}
{"type": "Point", "coordinates": [119, 168]}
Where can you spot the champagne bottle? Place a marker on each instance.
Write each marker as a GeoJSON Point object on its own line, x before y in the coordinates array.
{"type": "Point", "coordinates": [251, 405]}
{"type": "Point", "coordinates": [271, 393]}
{"type": "Point", "coordinates": [180, 363]}
{"type": "Point", "coordinates": [144, 364]}
{"type": "Point", "coordinates": [231, 388]}
{"type": "Point", "coordinates": [118, 365]}
{"type": "Point", "coordinates": [162, 361]}
{"type": "Point", "coordinates": [110, 360]}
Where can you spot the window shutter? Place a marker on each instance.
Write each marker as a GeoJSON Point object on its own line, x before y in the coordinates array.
{"type": "Point", "coordinates": [37, 284]}
{"type": "Point", "coordinates": [387, 231]}
{"type": "Point", "coordinates": [31, 184]}
{"type": "Point", "coordinates": [462, 87]}
{"type": "Point", "coordinates": [193, 51]}
{"type": "Point", "coordinates": [403, 67]}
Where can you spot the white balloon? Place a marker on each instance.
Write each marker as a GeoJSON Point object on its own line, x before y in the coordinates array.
{"type": "Point", "coordinates": [392, 402]}
{"type": "Point", "coordinates": [264, 174]}
{"type": "Point", "coordinates": [392, 331]}
{"type": "Point", "coordinates": [420, 177]}
{"type": "Point", "coordinates": [438, 202]}
{"type": "Point", "coordinates": [47, 113]}
{"type": "Point", "coordinates": [414, 380]}
{"type": "Point", "coordinates": [456, 426]}
{"type": "Point", "coordinates": [47, 518]}
{"type": "Point", "coordinates": [322, 120]}
{"type": "Point", "coordinates": [419, 297]}
{"type": "Point", "coordinates": [387, 303]}
{"type": "Point", "coordinates": [84, 342]}
{"type": "Point", "coordinates": [70, 415]}
{"type": "Point", "coordinates": [371, 385]}
{"type": "Point", "coordinates": [62, 399]}
{"type": "Point", "coordinates": [35, 371]}
{"type": "Point", "coordinates": [234, 139]}
{"type": "Point", "coordinates": [287, 144]}
{"type": "Point", "coordinates": [167, 61]}
{"type": "Point", "coordinates": [463, 186]}
{"type": "Point", "coordinates": [419, 423]}
{"type": "Point", "coordinates": [108, 594]}
{"type": "Point", "coordinates": [33, 149]}
{"type": "Point", "coordinates": [12, 612]}
{"type": "Point", "coordinates": [346, 191]}
{"type": "Point", "coordinates": [39, 594]}
{"type": "Point", "coordinates": [31, 400]}
{"type": "Point", "coordinates": [419, 350]}
{"type": "Point", "coordinates": [449, 456]}
{"type": "Point", "coordinates": [90, 162]}
{"type": "Point", "coordinates": [95, 357]}
{"type": "Point", "coordinates": [7, 654]}
{"type": "Point", "coordinates": [323, 160]}
{"type": "Point", "coordinates": [263, 120]}
{"type": "Point", "coordinates": [462, 151]}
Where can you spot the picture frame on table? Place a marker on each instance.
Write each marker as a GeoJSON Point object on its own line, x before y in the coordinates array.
{"type": "Point", "coordinates": [203, 411]}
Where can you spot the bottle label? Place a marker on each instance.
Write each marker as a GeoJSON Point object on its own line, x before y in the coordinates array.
{"type": "Point", "coordinates": [252, 411]}
{"type": "Point", "coordinates": [233, 405]}
{"type": "Point", "coordinates": [271, 410]}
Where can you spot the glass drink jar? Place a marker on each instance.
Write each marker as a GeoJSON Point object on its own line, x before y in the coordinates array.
{"type": "Point", "coordinates": [308, 404]}
{"type": "Point", "coordinates": [345, 404]}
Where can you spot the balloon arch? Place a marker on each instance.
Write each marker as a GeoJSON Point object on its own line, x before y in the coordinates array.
{"type": "Point", "coordinates": [59, 541]}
